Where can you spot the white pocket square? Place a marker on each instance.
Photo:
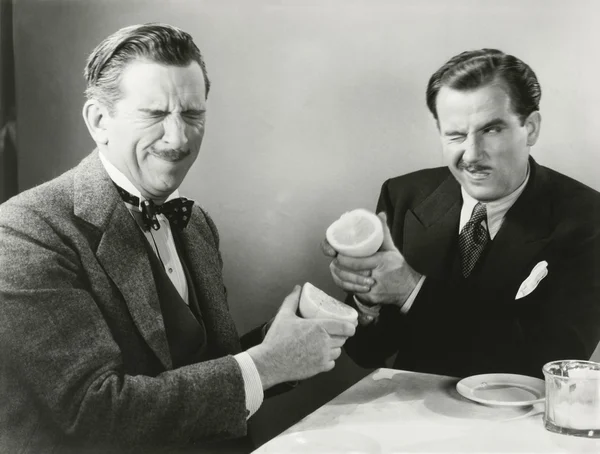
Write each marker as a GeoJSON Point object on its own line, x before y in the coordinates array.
{"type": "Point", "coordinates": [539, 272]}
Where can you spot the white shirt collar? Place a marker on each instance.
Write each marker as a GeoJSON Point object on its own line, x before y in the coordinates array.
{"type": "Point", "coordinates": [122, 181]}
{"type": "Point", "coordinates": [496, 210]}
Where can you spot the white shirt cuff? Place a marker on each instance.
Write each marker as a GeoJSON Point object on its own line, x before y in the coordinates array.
{"type": "Point", "coordinates": [252, 384]}
{"type": "Point", "coordinates": [413, 296]}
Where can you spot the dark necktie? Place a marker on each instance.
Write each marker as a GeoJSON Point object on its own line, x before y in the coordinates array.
{"type": "Point", "coordinates": [473, 239]}
{"type": "Point", "coordinates": [177, 211]}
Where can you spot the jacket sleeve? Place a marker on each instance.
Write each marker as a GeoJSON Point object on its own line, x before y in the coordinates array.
{"type": "Point", "coordinates": [58, 349]}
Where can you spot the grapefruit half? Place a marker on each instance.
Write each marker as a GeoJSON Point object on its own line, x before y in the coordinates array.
{"type": "Point", "coordinates": [357, 233]}
{"type": "Point", "coordinates": [315, 303]}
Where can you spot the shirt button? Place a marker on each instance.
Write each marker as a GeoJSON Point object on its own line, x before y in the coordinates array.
{"type": "Point", "coordinates": [170, 270]}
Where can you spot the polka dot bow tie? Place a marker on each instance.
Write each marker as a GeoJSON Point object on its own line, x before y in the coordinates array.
{"type": "Point", "coordinates": [177, 211]}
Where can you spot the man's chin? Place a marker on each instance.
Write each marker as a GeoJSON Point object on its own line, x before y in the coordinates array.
{"type": "Point", "coordinates": [162, 188]}
{"type": "Point", "coordinates": [166, 176]}
{"type": "Point", "coordinates": [481, 193]}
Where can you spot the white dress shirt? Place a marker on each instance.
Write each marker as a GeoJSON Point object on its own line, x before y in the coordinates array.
{"type": "Point", "coordinates": [162, 243]}
{"type": "Point", "coordinates": [496, 212]}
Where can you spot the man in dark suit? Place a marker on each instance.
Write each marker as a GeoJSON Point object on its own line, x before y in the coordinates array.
{"type": "Point", "coordinates": [491, 263]}
{"type": "Point", "coordinates": [115, 333]}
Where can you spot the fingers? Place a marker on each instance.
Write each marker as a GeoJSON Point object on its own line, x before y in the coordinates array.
{"type": "Point", "coordinates": [353, 277]}
{"type": "Point", "coordinates": [388, 242]}
{"type": "Point", "coordinates": [337, 327]}
{"type": "Point", "coordinates": [371, 298]}
{"type": "Point", "coordinates": [335, 353]}
{"type": "Point", "coordinates": [358, 263]}
{"type": "Point", "coordinates": [350, 281]}
{"type": "Point", "coordinates": [290, 303]}
{"type": "Point", "coordinates": [337, 341]}
{"type": "Point", "coordinates": [327, 249]}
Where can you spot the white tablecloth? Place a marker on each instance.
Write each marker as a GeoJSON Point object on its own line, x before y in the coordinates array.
{"type": "Point", "coordinates": [393, 411]}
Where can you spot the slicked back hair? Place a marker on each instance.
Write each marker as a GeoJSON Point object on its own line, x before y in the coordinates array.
{"type": "Point", "coordinates": [160, 43]}
{"type": "Point", "coordinates": [474, 69]}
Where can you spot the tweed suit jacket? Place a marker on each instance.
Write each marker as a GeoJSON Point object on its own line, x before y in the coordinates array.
{"type": "Point", "coordinates": [462, 327]}
{"type": "Point", "coordinates": [85, 363]}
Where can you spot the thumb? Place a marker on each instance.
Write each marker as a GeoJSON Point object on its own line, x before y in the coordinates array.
{"type": "Point", "coordinates": [290, 303]}
{"type": "Point", "coordinates": [327, 249]}
{"type": "Point", "coordinates": [388, 243]}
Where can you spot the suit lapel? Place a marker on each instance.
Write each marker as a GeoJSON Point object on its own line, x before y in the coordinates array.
{"type": "Point", "coordinates": [121, 251]}
{"type": "Point", "coordinates": [205, 267]}
{"type": "Point", "coordinates": [431, 228]}
{"type": "Point", "coordinates": [524, 233]}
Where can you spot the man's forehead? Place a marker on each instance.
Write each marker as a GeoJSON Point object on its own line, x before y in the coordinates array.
{"type": "Point", "coordinates": [491, 100]}
{"type": "Point", "coordinates": [154, 83]}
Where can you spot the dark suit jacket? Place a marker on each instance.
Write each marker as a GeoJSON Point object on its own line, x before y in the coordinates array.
{"type": "Point", "coordinates": [462, 327]}
{"type": "Point", "coordinates": [84, 359]}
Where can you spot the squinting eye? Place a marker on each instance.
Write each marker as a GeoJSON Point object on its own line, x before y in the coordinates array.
{"type": "Point", "coordinates": [154, 116]}
{"type": "Point", "coordinates": [194, 116]}
{"type": "Point", "coordinates": [457, 139]}
{"type": "Point", "coordinates": [494, 130]}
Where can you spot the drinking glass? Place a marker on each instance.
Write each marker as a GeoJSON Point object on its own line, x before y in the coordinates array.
{"type": "Point", "coordinates": [573, 397]}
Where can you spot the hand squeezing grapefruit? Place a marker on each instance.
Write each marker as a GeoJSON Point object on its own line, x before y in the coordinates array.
{"type": "Point", "coordinates": [357, 233]}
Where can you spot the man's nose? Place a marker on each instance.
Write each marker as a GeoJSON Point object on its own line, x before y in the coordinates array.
{"type": "Point", "coordinates": [175, 131]}
{"type": "Point", "coordinates": [473, 149]}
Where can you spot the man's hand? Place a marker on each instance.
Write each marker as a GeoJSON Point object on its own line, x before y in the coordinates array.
{"type": "Point", "coordinates": [382, 278]}
{"type": "Point", "coordinates": [295, 348]}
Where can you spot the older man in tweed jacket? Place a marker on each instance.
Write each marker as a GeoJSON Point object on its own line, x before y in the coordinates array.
{"type": "Point", "coordinates": [115, 333]}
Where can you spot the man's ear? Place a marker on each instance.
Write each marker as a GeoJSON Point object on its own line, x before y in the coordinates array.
{"type": "Point", "coordinates": [533, 123]}
{"type": "Point", "coordinates": [96, 117]}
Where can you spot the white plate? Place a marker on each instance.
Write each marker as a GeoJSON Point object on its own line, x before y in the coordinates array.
{"type": "Point", "coordinates": [509, 390]}
{"type": "Point", "coordinates": [322, 441]}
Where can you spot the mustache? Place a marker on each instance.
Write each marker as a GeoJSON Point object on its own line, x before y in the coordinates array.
{"type": "Point", "coordinates": [172, 154]}
{"type": "Point", "coordinates": [472, 167]}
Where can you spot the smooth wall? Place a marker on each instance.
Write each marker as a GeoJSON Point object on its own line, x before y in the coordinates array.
{"type": "Point", "coordinates": [314, 104]}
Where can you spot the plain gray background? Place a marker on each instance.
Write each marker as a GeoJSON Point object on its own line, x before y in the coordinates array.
{"type": "Point", "coordinates": [314, 104]}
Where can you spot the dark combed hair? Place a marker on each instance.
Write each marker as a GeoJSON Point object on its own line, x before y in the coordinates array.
{"type": "Point", "coordinates": [160, 43]}
{"type": "Point", "coordinates": [473, 69]}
